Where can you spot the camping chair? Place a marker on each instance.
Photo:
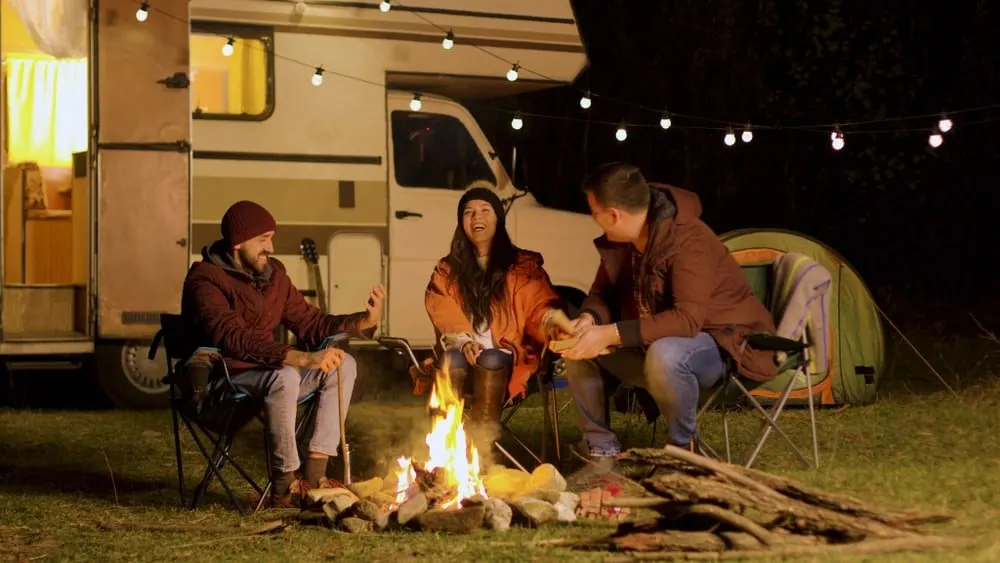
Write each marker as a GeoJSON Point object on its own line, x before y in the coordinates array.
{"type": "Point", "coordinates": [218, 419]}
{"type": "Point", "coordinates": [540, 383]}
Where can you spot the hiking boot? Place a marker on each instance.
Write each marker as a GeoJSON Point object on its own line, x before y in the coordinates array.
{"type": "Point", "coordinates": [295, 498]}
{"type": "Point", "coordinates": [599, 468]}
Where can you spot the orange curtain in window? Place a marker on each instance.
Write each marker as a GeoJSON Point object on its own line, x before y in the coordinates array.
{"type": "Point", "coordinates": [47, 110]}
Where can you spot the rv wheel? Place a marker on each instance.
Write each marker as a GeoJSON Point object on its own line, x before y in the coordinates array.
{"type": "Point", "coordinates": [129, 378]}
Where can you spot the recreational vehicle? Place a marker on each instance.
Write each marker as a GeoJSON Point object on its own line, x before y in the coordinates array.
{"type": "Point", "coordinates": [129, 127]}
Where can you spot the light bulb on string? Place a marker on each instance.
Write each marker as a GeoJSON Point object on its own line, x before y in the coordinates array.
{"type": "Point", "coordinates": [512, 73]}
{"type": "Point", "coordinates": [385, 6]}
{"type": "Point", "coordinates": [837, 140]}
{"type": "Point", "coordinates": [415, 103]}
{"type": "Point", "coordinates": [449, 40]}
{"type": "Point", "coordinates": [935, 139]}
{"type": "Point", "coordinates": [517, 123]}
{"type": "Point", "coordinates": [317, 77]}
{"type": "Point", "coordinates": [945, 124]}
{"type": "Point", "coordinates": [665, 122]}
{"type": "Point", "coordinates": [730, 138]}
{"type": "Point", "coordinates": [227, 49]}
{"type": "Point", "coordinates": [747, 135]}
{"type": "Point", "coordinates": [585, 100]}
{"type": "Point", "coordinates": [621, 134]}
{"type": "Point", "coordinates": [143, 12]}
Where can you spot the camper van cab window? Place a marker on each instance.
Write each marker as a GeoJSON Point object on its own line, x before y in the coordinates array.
{"type": "Point", "coordinates": [435, 151]}
{"type": "Point", "coordinates": [232, 72]}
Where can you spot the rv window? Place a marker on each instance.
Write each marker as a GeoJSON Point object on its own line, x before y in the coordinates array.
{"type": "Point", "coordinates": [232, 71]}
{"type": "Point", "coordinates": [435, 151]}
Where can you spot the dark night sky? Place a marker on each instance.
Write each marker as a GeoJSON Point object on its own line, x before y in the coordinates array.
{"type": "Point", "coordinates": [907, 216]}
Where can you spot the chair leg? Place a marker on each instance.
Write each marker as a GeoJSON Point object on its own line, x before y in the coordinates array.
{"type": "Point", "coordinates": [555, 426]}
{"type": "Point", "coordinates": [177, 445]}
{"type": "Point", "coordinates": [546, 423]}
{"type": "Point", "coordinates": [812, 417]}
{"type": "Point", "coordinates": [771, 422]}
{"type": "Point", "coordinates": [222, 443]}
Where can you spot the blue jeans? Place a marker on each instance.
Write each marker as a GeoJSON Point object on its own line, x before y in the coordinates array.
{"type": "Point", "coordinates": [673, 370]}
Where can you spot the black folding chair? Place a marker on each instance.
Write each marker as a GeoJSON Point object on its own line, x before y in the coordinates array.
{"type": "Point", "coordinates": [217, 418]}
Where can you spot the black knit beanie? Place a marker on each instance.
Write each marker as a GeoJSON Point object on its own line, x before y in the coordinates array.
{"type": "Point", "coordinates": [487, 195]}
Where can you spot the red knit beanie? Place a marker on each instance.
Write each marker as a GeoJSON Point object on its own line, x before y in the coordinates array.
{"type": "Point", "coordinates": [245, 220]}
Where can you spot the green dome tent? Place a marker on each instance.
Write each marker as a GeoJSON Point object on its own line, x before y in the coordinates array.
{"type": "Point", "coordinates": [857, 350]}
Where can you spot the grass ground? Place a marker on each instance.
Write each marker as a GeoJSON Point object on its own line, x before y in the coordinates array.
{"type": "Point", "coordinates": [64, 472]}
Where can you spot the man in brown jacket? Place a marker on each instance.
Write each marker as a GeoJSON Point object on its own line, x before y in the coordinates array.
{"type": "Point", "coordinates": [672, 300]}
{"type": "Point", "coordinates": [234, 299]}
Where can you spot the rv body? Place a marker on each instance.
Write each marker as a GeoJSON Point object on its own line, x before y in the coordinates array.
{"type": "Point", "coordinates": [348, 163]}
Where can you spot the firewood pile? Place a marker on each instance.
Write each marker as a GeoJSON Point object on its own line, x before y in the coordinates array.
{"type": "Point", "coordinates": [709, 510]}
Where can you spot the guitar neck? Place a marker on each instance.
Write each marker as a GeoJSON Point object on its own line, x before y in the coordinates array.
{"type": "Point", "coordinates": [320, 292]}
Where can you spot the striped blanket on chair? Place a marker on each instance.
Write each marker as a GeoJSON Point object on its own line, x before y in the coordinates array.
{"type": "Point", "coordinates": [801, 304]}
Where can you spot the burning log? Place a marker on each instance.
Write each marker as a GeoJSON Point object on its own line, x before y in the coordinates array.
{"type": "Point", "coordinates": [710, 508]}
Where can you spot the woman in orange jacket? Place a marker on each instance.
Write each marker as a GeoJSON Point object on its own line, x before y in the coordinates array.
{"type": "Point", "coordinates": [490, 302]}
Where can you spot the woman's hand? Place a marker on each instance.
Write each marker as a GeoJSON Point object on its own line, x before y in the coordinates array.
{"type": "Point", "coordinates": [472, 350]}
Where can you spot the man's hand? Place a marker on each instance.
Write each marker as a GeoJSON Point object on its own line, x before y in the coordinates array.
{"type": "Point", "coordinates": [325, 360]}
{"type": "Point", "coordinates": [376, 300]}
{"type": "Point", "coordinates": [472, 351]}
{"type": "Point", "coordinates": [581, 323]}
{"type": "Point", "coordinates": [592, 341]}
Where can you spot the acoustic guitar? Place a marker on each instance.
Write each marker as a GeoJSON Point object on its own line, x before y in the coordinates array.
{"type": "Point", "coordinates": [307, 247]}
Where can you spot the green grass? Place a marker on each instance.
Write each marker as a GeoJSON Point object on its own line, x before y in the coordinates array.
{"type": "Point", "coordinates": [64, 472]}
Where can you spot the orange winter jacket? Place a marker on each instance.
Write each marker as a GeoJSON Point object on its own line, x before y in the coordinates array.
{"type": "Point", "coordinates": [530, 296]}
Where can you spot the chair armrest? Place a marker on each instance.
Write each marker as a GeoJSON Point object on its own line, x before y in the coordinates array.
{"type": "Point", "coordinates": [773, 343]}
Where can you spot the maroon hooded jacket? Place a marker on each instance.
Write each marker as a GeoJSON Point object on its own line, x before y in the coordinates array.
{"type": "Point", "coordinates": [226, 307]}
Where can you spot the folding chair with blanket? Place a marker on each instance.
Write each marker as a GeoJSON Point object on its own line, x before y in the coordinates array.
{"type": "Point", "coordinates": [214, 414]}
{"type": "Point", "coordinates": [542, 383]}
{"type": "Point", "coordinates": [798, 301]}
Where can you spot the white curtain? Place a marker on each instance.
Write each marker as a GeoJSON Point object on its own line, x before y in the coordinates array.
{"type": "Point", "coordinates": [58, 27]}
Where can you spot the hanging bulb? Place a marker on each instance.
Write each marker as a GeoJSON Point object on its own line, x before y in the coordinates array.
{"type": "Point", "coordinates": [585, 100]}
{"type": "Point", "coordinates": [317, 78]}
{"type": "Point", "coordinates": [730, 138]}
{"type": "Point", "coordinates": [935, 139]}
{"type": "Point", "coordinates": [415, 103]}
{"type": "Point", "coordinates": [517, 123]}
{"type": "Point", "coordinates": [449, 40]}
{"type": "Point", "coordinates": [227, 49]}
{"type": "Point", "coordinates": [143, 12]}
{"type": "Point", "coordinates": [945, 124]}
{"type": "Point", "coordinates": [665, 122]}
{"type": "Point", "coordinates": [385, 6]}
{"type": "Point", "coordinates": [621, 134]}
{"type": "Point", "coordinates": [837, 140]}
{"type": "Point", "coordinates": [747, 135]}
{"type": "Point", "coordinates": [512, 73]}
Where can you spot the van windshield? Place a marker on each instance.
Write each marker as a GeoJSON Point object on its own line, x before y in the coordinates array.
{"type": "Point", "coordinates": [435, 151]}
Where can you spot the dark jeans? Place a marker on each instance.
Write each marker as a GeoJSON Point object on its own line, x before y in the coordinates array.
{"type": "Point", "coordinates": [673, 370]}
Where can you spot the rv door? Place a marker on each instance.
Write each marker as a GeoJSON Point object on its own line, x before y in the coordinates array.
{"type": "Point", "coordinates": [143, 142]}
{"type": "Point", "coordinates": [434, 159]}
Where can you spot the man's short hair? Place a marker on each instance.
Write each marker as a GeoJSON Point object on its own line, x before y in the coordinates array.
{"type": "Point", "coordinates": [618, 184]}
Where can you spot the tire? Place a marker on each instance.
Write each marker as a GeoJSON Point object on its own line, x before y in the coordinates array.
{"type": "Point", "coordinates": [128, 378]}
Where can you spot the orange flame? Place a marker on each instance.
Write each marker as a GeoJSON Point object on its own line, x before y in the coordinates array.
{"type": "Point", "coordinates": [448, 446]}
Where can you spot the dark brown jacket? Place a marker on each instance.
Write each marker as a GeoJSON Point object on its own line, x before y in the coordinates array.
{"type": "Point", "coordinates": [226, 307]}
{"type": "Point", "coordinates": [693, 285]}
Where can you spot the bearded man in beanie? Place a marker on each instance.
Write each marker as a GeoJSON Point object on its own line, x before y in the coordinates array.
{"type": "Point", "coordinates": [233, 299]}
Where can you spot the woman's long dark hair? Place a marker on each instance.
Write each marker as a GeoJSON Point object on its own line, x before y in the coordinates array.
{"type": "Point", "coordinates": [483, 291]}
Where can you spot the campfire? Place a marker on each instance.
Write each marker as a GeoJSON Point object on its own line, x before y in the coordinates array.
{"type": "Point", "coordinates": [445, 488]}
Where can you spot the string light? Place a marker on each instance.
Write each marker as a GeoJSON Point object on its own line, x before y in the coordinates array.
{"type": "Point", "coordinates": [449, 40]}
{"type": "Point", "coordinates": [837, 139]}
{"type": "Point", "coordinates": [512, 73]}
{"type": "Point", "coordinates": [317, 77]}
{"type": "Point", "coordinates": [385, 6]}
{"type": "Point", "coordinates": [665, 122]}
{"type": "Point", "coordinates": [143, 12]}
{"type": "Point", "coordinates": [415, 103]}
{"type": "Point", "coordinates": [747, 135]}
{"type": "Point", "coordinates": [585, 100]}
{"type": "Point", "coordinates": [517, 123]}
{"type": "Point", "coordinates": [621, 134]}
{"type": "Point", "coordinates": [227, 49]}
{"type": "Point", "coordinates": [935, 139]}
{"type": "Point", "coordinates": [945, 124]}
{"type": "Point", "coordinates": [730, 138]}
